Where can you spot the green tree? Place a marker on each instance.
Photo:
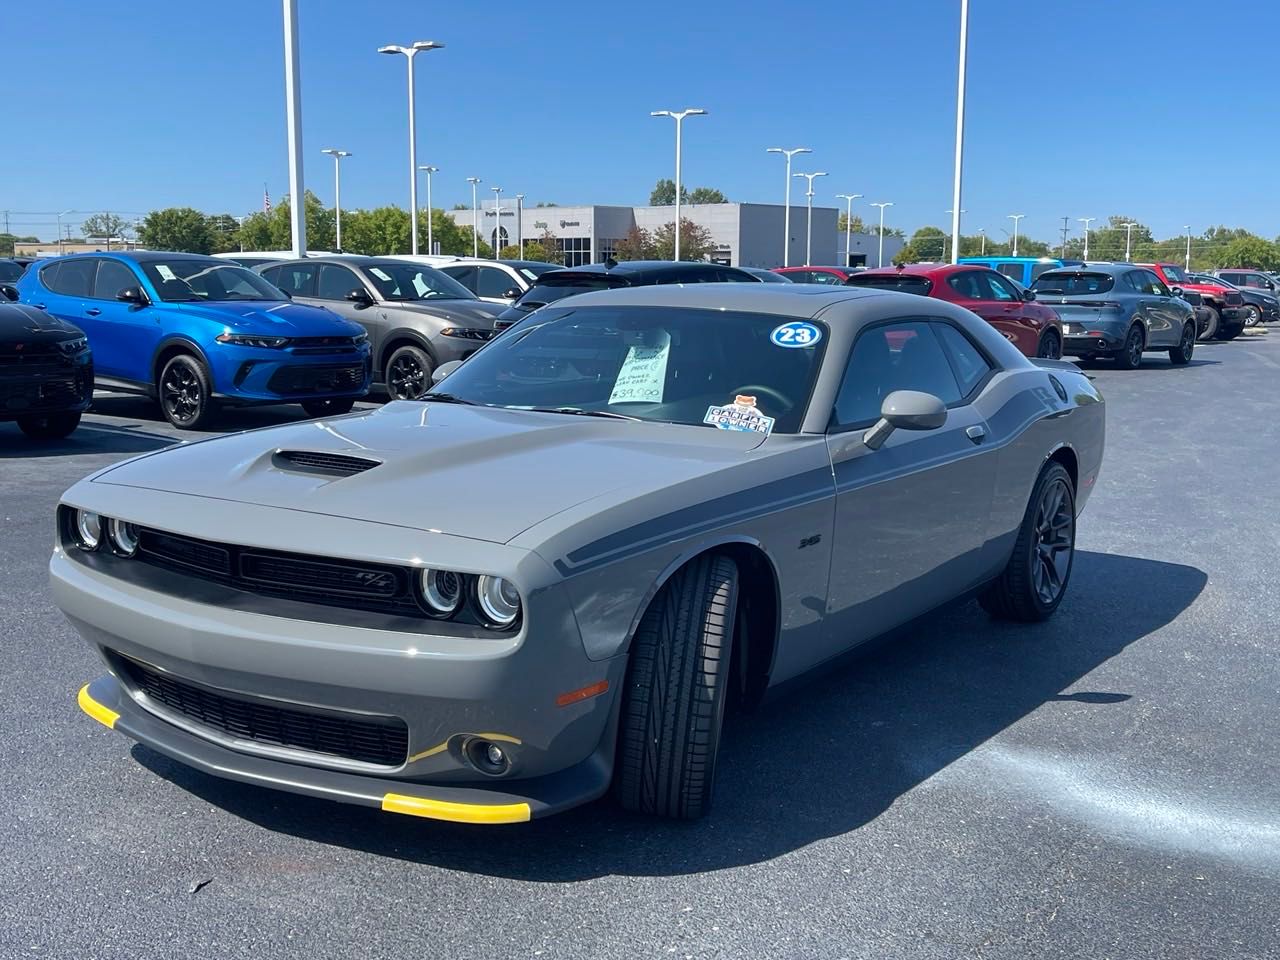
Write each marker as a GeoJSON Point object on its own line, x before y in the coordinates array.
{"type": "Point", "coordinates": [105, 225]}
{"type": "Point", "coordinates": [858, 225]}
{"type": "Point", "coordinates": [7, 240]}
{"type": "Point", "coordinates": [664, 193]}
{"type": "Point", "coordinates": [382, 231]}
{"type": "Point", "coordinates": [181, 229]}
{"type": "Point", "coordinates": [274, 230]}
{"type": "Point", "coordinates": [552, 251]}
{"type": "Point", "coordinates": [546, 204]}
{"type": "Point", "coordinates": [638, 244]}
{"type": "Point", "coordinates": [1248, 252]}
{"type": "Point", "coordinates": [224, 232]}
{"type": "Point", "coordinates": [706, 195]}
{"type": "Point", "coordinates": [695, 241]}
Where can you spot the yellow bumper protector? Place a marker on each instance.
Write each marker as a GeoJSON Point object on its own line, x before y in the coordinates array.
{"type": "Point", "coordinates": [96, 710]}
{"type": "Point", "coordinates": [457, 812]}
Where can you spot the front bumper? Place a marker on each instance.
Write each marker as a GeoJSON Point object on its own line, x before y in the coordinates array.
{"type": "Point", "coordinates": [248, 374]}
{"type": "Point", "coordinates": [65, 389]}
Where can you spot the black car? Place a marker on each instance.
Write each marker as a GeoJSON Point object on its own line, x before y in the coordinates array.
{"type": "Point", "coordinates": [46, 372]}
{"type": "Point", "coordinates": [609, 275]}
{"type": "Point", "coordinates": [11, 270]}
{"type": "Point", "coordinates": [1259, 305]}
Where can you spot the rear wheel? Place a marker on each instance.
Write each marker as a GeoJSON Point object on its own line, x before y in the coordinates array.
{"type": "Point", "coordinates": [1209, 328]}
{"type": "Point", "coordinates": [1180, 355]}
{"type": "Point", "coordinates": [1050, 347]}
{"type": "Point", "coordinates": [328, 408]}
{"type": "Point", "coordinates": [49, 426]}
{"type": "Point", "coordinates": [409, 373]}
{"type": "Point", "coordinates": [1130, 355]}
{"type": "Point", "coordinates": [185, 395]}
{"type": "Point", "coordinates": [673, 703]}
{"type": "Point", "coordinates": [1252, 315]}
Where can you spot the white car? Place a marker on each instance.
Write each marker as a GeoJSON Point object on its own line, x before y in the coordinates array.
{"type": "Point", "coordinates": [436, 260]}
{"type": "Point", "coordinates": [258, 258]}
{"type": "Point", "coordinates": [497, 281]}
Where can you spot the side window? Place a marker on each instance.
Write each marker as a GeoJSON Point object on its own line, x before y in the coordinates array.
{"type": "Point", "coordinates": [492, 282]}
{"type": "Point", "coordinates": [968, 362]}
{"type": "Point", "coordinates": [897, 356]}
{"type": "Point", "coordinates": [1013, 270]}
{"type": "Point", "coordinates": [298, 279]}
{"type": "Point", "coordinates": [970, 284]}
{"type": "Point", "coordinates": [800, 276]}
{"type": "Point", "coordinates": [336, 282]}
{"type": "Point", "coordinates": [49, 275]}
{"type": "Point", "coordinates": [1155, 285]}
{"type": "Point", "coordinates": [271, 275]}
{"type": "Point", "coordinates": [113, 276]}
{"type": "Point", "coordinates": [464, 275]}
{"type": "Point", "coordinates": [1002, 288]}
{"type": "Point", "coordinates": [1040, 268]}
{"type": "Point", "coordinates": [75, 279]}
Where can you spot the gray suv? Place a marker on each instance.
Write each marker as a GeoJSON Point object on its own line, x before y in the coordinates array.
{"type": "Point", "coordinates": [417, 317]}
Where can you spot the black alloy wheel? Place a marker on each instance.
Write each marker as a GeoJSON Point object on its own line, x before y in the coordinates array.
{"type": "Point", "coordinates": [1050, 347]}
{"type": "Point", "coordinates": [185, 394]}
{"type": "Point", "coordinates": [1180, 355]}
{"type": "Point", "coordinates": [409, 373]}
{"type": "Point", "coordinates": [1055, 541]}
{"type": "Point", "coordinates": [1130, 355]}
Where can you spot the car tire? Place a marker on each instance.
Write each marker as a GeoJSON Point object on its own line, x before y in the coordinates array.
{"type": "Point", "coordinates": [1252, 315]}
{"type": "Point", "coordinates": [1129, 357]}
{"type": "Point", "coordinates": [1210, 329]}
{"type": "Point", "coordinates": [1050, 346]}
{"type": "Point", "coordinates": [186, 398]}
{"type": "Point", "coordinates": [50, 426]}
{"type": "Point", "coordinates": [1048, 530]}
{"type": "Point", "coordinates": [1229, 331]}
{"type": "Point", "coordinates": [328, 408]}
{"type": "Point", "coordinates": [1180, 355]}
{"type": "Point", "coordinates": [409, 371]}
{"type": "Point", "coordinates": [676, 688]}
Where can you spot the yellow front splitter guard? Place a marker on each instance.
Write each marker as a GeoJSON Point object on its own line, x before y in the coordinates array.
{"type": "Point", "coordinates": [457, 812]}
{"type": "Point", "coordinates": [96, 710]}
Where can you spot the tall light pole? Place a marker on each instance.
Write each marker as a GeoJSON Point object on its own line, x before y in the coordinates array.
{"type": "Point", "coordinates": [497, 219]}
{"type": "Point", "coordinates": [786, 216]}
{"type": "Point", "coordinates": [1086, 221]}
{"type": "Point", "coordinates": [880, 255]}
{"type": "Point", "coordinates": [475, 218]}
{"type": "Point", "coordinates": [1187, 227]}
{"type": "Point", "coordinates": [955, 191]}
{"type": "Point", "coordinates": [293, 120]}
{"type": "Point", "coordinates": [431, 242]}
{"type": "Point", "coordinates": [678, 117]}
{"type": "Point", "coordinates": [983, 234]}
{"type": "Point", "coordinates": [337, 193]}
{"type": "Point", "coordinates": [60, 216]}
{"type": "Point", "coordinates": [848, 219]}
{"type": "Point", "coordinates": [955, 251]}
{"type": "Point", "coordinates": [1015, 217]}
{"type": "Point", "coordinates": [409, 53]}
{"type": "Point", "coordinates": [1128, 234]}
{"type": "Point", "coordinates": [808, 244]}
{"type": "Point", "coordinates": [520, 223]}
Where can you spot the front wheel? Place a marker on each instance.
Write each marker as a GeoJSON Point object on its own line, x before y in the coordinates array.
{"type": "Point", "coordinates": [1130, 355]}
{"type": "Point", "coordinates": [1035, 579]}
{"type": "Point", "coordinates": [328, 408]}
{"type": "Point", "coordinates": [1252, 316]}
{"type": "Point", "coordinates": [49, 426]}
{"type": "Point", "coordinates": [1050, 347]}
{"type": "Point", "coordinates": [409, 373]}
{"type": "Point", "coordinates": [673, 702]}
{"type": "Point", "coordinates": [1209, 328]}
{"type": "Point", "coordinates": [1180, 355]}
{"type": "Point", "coordinates": [185, 395]}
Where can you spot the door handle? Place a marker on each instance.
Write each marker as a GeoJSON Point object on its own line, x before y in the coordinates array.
{"type": "Point", "coordinates": [93, 311]}
{"type": "Point", "coordinates": [977, 433]}
{"type": "Point", "coordinates": [40, 306]}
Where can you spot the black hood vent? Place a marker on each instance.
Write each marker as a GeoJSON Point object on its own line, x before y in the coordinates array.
{"type": "Point", "coordinates": [324, 464]}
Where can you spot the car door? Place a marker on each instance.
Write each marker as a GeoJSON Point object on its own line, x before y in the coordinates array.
{"type": "Point", "coordinates": [130, 333]}
{"type": "Point", "coordinates": [334, 285]}
{"type": "Point", "coordinates": [67, 283]}
{"type": "Point", "coordinates": [973, 290]}
{"type": "Point", "coordinates": [1164, 318]}
{"type": "Point", "coordinates": [912, 517]}
{"type": "Point", "coordinates": [493, 284]}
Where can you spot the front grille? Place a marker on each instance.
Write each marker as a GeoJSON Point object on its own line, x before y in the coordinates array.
{"type": "Point", "coordinates": [312, 346]}
{"type": "Point", "coordinates": [1234, 299]}
{"type": "Point", "coordinates": [291, 576]}
{"type": "Point", "coordinates": [315, 461]}
{"type": "Point", "coordinates": [326, 378]}
{"type": "Point", "coordinates": [42, 394]}
{"type": "Point", "coordinates": [45, 352]}
{"type": "Point", "coordinates": [377, 740]}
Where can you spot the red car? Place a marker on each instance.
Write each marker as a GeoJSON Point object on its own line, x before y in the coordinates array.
{"type": "Point", "coordinates": [1033, 328]}
{"type": "Point", "coordinates": [1226, 301]}
{"type": "Point", "coordinates": [836, 275]}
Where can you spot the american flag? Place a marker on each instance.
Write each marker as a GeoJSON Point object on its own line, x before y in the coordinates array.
{"type": "Point", "coordinates": [266, 200]}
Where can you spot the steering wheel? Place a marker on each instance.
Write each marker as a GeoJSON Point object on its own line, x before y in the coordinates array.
{"type": "Point", "coordinates": [757, 388]}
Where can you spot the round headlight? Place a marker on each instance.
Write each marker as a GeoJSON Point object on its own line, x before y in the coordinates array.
{"type": "Point", "coordinates": [499, 601]}
{"type": "Point", "coordinates": [88, 530]}
{"type": "Point", "coordinates": [441, 591]}
{"type": "Point", "coordinates": [123, 536]}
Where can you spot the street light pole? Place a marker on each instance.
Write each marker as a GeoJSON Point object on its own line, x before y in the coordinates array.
{"type": "Point", "coordinates": [1187, 227]}
{"type": "Point", "coordinates": [955, 250]}
{"type": "Point", "coordinates": [678, 117]}
{"type": "Point", "coordinates": [1128, 233]}
{"type": "Point", "coordinates": [848, 220]}
{"type": "Point", "coordinates": [429, 170]}
{"type": "Point", "coordinates": [409, 53]}
{"type": "Point", "coordinates": [880, 255]}
{"type": "Point", "coordinates": [808, 244]}
{"type": "Point", "coordinates": [1086, 221]}
{"type": "Point", "coordinates": [955, 192]}
{"type": "Point", "coordinates": [337, 193]}
{"type": "Point", "coordinates": [293, 119]}
{"type": "Point", "coordinates": [497, 220]}
{"type": "Point", "coordinates": [786, 216]}
{"type": "Point", "coordinates": [520, 223]}
{"type": "Point", "coordinates": [60, 216]}
{"type": "Point", "coordinates": [1015, 217]}
{"type": "Point", "coordinates": [475, 218]}
{"type": "Point", "coordinates": [983, 234]}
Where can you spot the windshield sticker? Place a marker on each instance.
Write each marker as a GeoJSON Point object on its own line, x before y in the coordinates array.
{"type": "Point", "coordinates": [380, 273]}
{"type": "Point", "coordinates": [165, 272]}
{"type": "Point", "coordinates": [797, 333]}
{"type": "Point", "coordinates": [742, 414]}
{"type": "Point", "coordinates": [643, 375]}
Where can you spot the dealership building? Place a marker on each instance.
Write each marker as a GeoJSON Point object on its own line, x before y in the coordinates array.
{"type": "Point", "coordinates": [743, 234]}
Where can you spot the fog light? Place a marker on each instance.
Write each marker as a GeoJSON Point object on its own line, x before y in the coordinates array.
{"type": "Point", "coordinates": [88, 531]}
{"type": "Point", "coordinates": [487, 757]}
{"type": "Point", "coordinates": [495, 755]}
{"type": "Point", "coordinates": [123, 536]}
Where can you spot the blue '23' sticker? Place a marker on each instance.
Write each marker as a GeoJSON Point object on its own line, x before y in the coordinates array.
{"type": "Point", "coordinates": [797, 333]}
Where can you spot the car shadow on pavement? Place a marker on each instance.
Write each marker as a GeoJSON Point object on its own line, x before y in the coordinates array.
{"type": "Point", "coordinates": [229, 419]}
{"type": "Point", "coordinates": [89, 438]}
{"type": "Point", "coordinates": [817, 763]}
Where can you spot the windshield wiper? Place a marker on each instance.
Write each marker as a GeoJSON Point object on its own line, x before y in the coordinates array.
{"type": "Point", "coordinates": [447, 398]}
{"type": "Point", "coordinates": [579, 412]}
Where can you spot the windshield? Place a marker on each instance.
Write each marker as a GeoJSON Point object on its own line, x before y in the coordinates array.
{"type": "Point", "coordinates": [9, 271]}
{"type": "Point", "coordinates": [906, 282]}
{"type": "Point", "coordinates": [701, 367]}
{"type": "Point", "coordinates": [397, 280]}
{"type": "Point", "coordinates": [1064, 283]}
{"type": "Point", "coordinates": [181, 280]}
{"type": "Point", "coordinates": [1173, 274]}
{"type": "Point", "coordinates": [559, 284]}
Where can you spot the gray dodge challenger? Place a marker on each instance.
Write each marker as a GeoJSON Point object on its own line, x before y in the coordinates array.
{"type": "Point", "coordinates": [549, 577]}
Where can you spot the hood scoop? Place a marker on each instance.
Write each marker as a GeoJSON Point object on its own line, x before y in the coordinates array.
{"type": "Point", "coordinates": [322, 463]}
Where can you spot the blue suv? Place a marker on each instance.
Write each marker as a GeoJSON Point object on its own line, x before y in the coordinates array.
{"type": "Point", "coordinates": [198, 332]}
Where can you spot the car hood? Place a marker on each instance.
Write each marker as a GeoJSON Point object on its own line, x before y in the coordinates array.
{"type": "Point", "coordinates": [283, 319]}
{"type": "Point", "coordinates": [471, 313]}
{"type": "Point", "coordinates": [20, 322]}
{"type": "Point", "coordinates": [478, 472]}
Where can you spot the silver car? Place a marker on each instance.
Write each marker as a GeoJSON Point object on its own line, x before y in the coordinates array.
{"type": "Point", "coordinates": [549, 577]}
{"type": "Point", "coordinates": [417, 317]}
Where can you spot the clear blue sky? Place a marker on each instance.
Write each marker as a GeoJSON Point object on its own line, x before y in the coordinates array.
{"type": "Point", "coordinates": [1086, 109]}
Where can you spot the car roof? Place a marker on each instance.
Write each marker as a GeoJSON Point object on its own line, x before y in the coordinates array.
{"type": "Point", "coordinates": [795, 300]}
{"type": "Point", "coordinates": [645, 266]}
{"type": "Point", "coordinates": [815, 266]}
{"type": "Point", "coordinates": [142, 256]}
{"type": "Point", "coordinates": [924, 269]}
{"type": "Point", "coordinates": [1111, 269]}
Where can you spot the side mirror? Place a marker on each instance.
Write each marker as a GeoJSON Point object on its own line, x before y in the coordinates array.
{"type": "Point", "coordinates": [1176, 291]}
{"type": "Point", "coordinates": [442, 371]}
{"type": "Point", "coordinates": [359, 297]}
{"type": "Point", "coordinates": [9, 292]}
{"type": "Point", "coordinates": [906, 410]}
{"type": "Point", "coordinates": [133, 295]}
{"type": "Point", "coordinates": [1028, 295]}
{"type": "Point", "coordinates": [512, 294]}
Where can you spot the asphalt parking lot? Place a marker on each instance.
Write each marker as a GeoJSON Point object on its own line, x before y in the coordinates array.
{"type": "Point", "coordinates": [1104, 785]}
